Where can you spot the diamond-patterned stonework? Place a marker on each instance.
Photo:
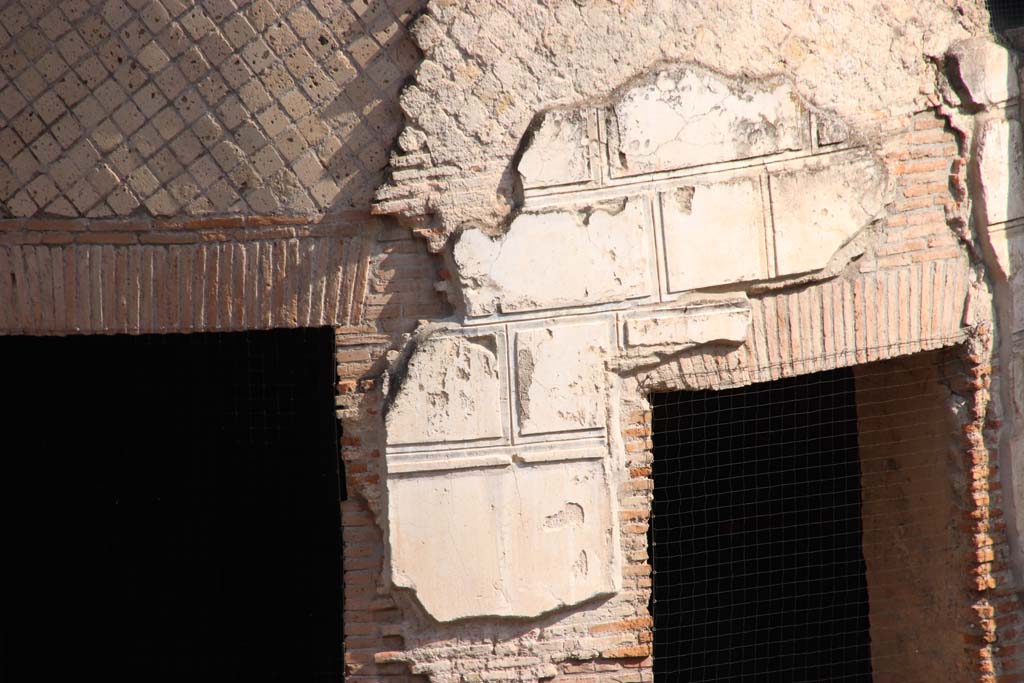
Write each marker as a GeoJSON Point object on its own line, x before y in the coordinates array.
{"type": "Point", "coordinates": [168, 107]}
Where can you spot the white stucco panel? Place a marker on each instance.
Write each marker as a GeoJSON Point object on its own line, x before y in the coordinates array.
{"type": "Point", "coordinates": [558, 151]}
{"type": "Point", "coordinates": [560, 377]}
{"type": "Point", "coordinates": [445, 540]}
{"type": "Point", "coordinates": [451, 391]}
{"type": "Point", "coordinates": [725, 323]}
{"type": "Point", "coordinates": [714, 234]}
{"type": "Point", "coordinates": [515, 541]}
{"type": "Point", "coordinates": [687, 117]}
{"type": "Point", "coordinates": [817, 208]}
{"type": "Point", "coordinates": [1001, 167]}
{"type": "Point", "coordinates": [557, 259]}
{"type": "Point", "coordinates": [987, 71]}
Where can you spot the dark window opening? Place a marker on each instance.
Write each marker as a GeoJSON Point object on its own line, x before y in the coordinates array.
{"type": "Point", "coordinates": [759, 571]}
{"type": "Point", "coordinates": [171, 508]}
{"type": "Point", "coordinates": [1006, 14]}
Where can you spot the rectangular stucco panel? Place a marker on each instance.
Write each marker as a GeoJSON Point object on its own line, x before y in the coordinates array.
{"type": "Point", "coordinates": [506, 541]}
{"type": "Point", "coordinates": [508, 274]}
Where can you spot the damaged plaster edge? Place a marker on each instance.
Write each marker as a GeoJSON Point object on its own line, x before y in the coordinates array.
{"type": "Point", "coordinates": [428, 221]}
{"type": "Point", "coordinates": [603, 105]}
{"type": "Point", "coordinates": [844, 260]}
{"type": "Point", "coordinates": [582, 210]}
{"type": "Point", "coordinates": [454, 287]}
{"type": "Point", "coordinates": [566, 608]}
{"type": "Point", "coordinates": [444, 242]}
{"type": "Point", "coordinates": [967, 115]}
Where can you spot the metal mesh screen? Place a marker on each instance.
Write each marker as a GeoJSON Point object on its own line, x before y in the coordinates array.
{"type": "Point", "coordinates": [1006, 13]}
{"type": "Point", "coordinates": [804, 529]}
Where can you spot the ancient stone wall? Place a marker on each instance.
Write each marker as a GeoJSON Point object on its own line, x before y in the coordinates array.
{"type": "Point", "coordinates": [605, 200]}
{"type": "Point", "coordinates": [904, 284]}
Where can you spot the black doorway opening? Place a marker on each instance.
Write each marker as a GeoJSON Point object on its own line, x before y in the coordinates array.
{"type": "Point", "coordinates": [1006, 14]}
{"type": "Point", "coordinates": [171, 508]}
{"type": "Point", "coordinates": [756, 535]}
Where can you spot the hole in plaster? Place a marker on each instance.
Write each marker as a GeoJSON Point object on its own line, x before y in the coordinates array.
{"type": "Point", "coordinates": [569, 516]}
{"type": "Point", "coordinates": [684, 198]}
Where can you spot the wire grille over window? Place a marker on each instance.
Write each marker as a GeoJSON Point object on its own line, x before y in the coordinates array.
{"type": "Point", "coordinates": [1006, 14]}
{"type": "Point", "coordinates": [805, 529]}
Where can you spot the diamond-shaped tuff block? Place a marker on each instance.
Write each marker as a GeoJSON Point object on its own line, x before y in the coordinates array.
{"type": "Point", "coordinates": [115, 107]}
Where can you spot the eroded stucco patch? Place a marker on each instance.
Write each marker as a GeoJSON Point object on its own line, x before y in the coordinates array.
{"type": "Point", "coordinates": [711, 214]}
{"type": "Point", "coordinates": [490, 66]}
{"type": "Point", "coordinates": [690, 117]}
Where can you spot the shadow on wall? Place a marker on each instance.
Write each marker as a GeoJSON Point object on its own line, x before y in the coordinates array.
{"type": "Point", "coordinates": [120, 107]}
{"type": "Point", "coordinates": [365, 114]}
